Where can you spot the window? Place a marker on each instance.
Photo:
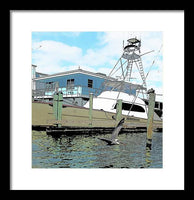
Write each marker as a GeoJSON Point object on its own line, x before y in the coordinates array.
{"type": "Point", "coordinates": [49, 85]}
{"type": "Point", "coordinates": [127, 106]}
{"type": "Point", "coordinates": [90, 83]}
{"type": "Point", "coordinates": [161, 105]}
{"type": "Point", "coordinates": [70, 83]}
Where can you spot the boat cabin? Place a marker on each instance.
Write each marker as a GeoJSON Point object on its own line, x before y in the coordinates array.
{"type": "Point", "coordinates": [131, 104]}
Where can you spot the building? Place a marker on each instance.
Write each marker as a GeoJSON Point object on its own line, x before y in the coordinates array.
{"type": "Point", "coordinates": [35, 75]}
{"type": "Point", "coordinates": [76, 85]}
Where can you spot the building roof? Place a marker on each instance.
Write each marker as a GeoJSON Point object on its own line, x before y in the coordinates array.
{"type": "Point", "coordinates": [76, 71]}
{"type": "Point", "coordinates": [43, 74]}
{"type": "Point", "coordinates": [98, 74]}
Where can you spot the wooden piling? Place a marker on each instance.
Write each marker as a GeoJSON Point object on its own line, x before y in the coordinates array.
{"type": "Point", "coordinates": [57, 106]}
{"type": "Point", "coordinates": [151, 106]}
{"type": "Point", "coordinates": [90, 108]}
{"type": "Point", "coordinates": [119, 110]}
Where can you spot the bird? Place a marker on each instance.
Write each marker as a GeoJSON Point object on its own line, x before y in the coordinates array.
{"type": "Point", "coordinates": [113, 140]}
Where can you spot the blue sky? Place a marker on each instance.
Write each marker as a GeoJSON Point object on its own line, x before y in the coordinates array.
{"type": "Point", "coordinates": [55, 52]}
{"type": "Point", "coordinates": [85, 40]}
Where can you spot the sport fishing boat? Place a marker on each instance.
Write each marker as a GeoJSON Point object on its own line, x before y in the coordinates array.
{"type": "Point", "coordinates": [131, 104]}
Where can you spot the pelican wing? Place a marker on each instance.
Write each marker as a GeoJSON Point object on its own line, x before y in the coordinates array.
{"type": "Point", "coordinates": [106, 140]}
{"type": "Point", "coordinates": [117, 130]}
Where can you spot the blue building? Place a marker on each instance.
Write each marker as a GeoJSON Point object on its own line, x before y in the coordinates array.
{"type": "Point", "coordinates": [76, 85]}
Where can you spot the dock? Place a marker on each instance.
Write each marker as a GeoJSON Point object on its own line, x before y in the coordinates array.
{"type": "Point", "coordinates": [76, 120]}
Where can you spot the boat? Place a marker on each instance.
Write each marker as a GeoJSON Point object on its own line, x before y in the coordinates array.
{"type": "Point", "coordinates": [131, 105]}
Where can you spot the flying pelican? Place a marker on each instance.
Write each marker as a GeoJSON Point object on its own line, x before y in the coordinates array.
{"type": "Point", "coordinates": [113, 140]}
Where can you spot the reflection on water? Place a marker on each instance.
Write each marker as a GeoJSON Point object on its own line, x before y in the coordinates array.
{"type": "Point", "coordinates": [87, 151]}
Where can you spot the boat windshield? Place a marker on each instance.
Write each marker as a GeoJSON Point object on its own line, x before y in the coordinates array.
{"type": "Point", "coordinates": [129, 106]}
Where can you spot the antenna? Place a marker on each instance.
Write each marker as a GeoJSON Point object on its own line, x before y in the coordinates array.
{"type": "Point", "coordinates": [153, 60]}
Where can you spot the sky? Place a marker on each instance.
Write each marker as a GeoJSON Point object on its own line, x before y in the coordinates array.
{"type": "Point", "coordinates": [55, 52]}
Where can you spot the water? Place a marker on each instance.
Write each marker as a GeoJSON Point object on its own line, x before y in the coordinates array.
{"type": "Point", "coordinates": [87, 151]}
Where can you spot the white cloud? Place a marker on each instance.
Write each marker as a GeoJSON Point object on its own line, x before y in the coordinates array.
{"type": "Point", "coordinates": [51, 54]}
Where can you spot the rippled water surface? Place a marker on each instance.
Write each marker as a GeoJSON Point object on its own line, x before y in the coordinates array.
{"type": "Point", "coordinates": [87, 151]}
